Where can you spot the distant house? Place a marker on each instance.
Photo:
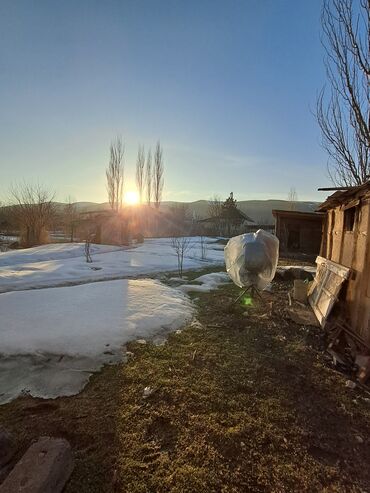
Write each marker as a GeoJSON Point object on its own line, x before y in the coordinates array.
{"type": "Point", "coordinates": [344, 262]}
{"type": "Point", "coordinates": [106, 227]}
{"type": "Point", "coordinates": [299, 233]}
{"type": "Point", "coordinates": [230, 219]}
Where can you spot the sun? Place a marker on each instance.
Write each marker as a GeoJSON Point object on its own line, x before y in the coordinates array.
{"type": "Point", "coordinates": [131, 198]}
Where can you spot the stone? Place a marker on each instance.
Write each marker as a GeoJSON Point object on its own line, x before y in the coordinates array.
{"type": "Point", "coordinates": [148, 391]}
{"type": "Point", "coordinates": [359, 439]}
{"type": "Point", "coordinates": [303, 316]}
{"type": "Point", "coordinates": [300, 290]}
{"type": "Point", "coordinates": [363, 362]}
{"type": "Point", "coordinates": [44, 468]}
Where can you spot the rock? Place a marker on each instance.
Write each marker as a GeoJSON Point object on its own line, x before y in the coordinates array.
{"type": "Point", "coordinates": [141, 341]}
{"type": "Point", "coordinates": [300, 290]}
{"type": "Point", "coordinates": [148, 391]}
{"type": "Point", "coordinates": [303, 316]}
{"type": "Point", "coordinates": [7, 447]}
{"type": "Point", "coordinates": [350, 384]}
{"type": "Point", "coordinates": [359, 439]}
{"type": "Point", "coordinates": [44, 468]}
{"type": "Point", "coordinates": [363, 362]}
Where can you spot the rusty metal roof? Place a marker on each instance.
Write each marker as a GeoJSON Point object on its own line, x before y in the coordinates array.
{"type": "Point", "coordinates": [342, 197]}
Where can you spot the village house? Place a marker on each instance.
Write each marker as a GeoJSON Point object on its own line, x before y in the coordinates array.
{"type": "Point", "coordinates": [229, 221]}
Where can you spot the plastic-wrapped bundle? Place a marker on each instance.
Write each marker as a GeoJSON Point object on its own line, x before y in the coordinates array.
{"type": "Point", "coordinates": [251, 259]}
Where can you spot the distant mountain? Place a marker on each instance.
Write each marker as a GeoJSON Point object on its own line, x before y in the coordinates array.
{"type": "Point", "coordinates": [259, 210]}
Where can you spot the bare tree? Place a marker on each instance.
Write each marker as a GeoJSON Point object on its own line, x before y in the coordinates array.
{"type": "Point", "coordinates": [215, 208]}
{"type": "Point", "coordinates": [203, 248]}
{"type": "Point", "coordinates": [148, 177]}
{"type": "Point", "coordinates": [88, 250]}
{"type": "Point", "coordinates": [140, 165]}
{"type": "Point", "coordinates": [181, 244]}
{"type": "Point", "coordinates": [343, 112]}
{"type": "Point", "coordinates": [34, 211]}
{"type": "Point", "coordinates": [292, 199]}
{"type": "Point", "coordinates": [158, 175]}
{"type": "Point", "coordinates": [70, 218]}
{"type": "Point", "coordinates": [115, 174]}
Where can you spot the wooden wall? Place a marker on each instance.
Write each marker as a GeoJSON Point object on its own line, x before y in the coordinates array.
{"type": "Point", "coordinates": [309, 233]}
{"type": "Point", "coordinates": [352, 249]}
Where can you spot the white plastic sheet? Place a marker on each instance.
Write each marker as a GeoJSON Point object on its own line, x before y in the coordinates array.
{"type": "Point", "coordinates": [251, 259]}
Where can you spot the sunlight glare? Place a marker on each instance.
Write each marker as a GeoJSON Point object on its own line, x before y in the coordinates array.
{"type": "Point", "coordinates": [131, 198]}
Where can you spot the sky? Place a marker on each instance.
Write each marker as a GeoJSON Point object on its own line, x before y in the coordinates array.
{"type": "Point", "coordinates": [229, 87]}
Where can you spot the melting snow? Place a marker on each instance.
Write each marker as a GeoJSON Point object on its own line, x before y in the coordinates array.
{"type": "Point", "coordinates": [52, 339]}
{"type": "Point", "coordinates": [208, 282]}
{"type": "Point", "coordinates": [64, 263]}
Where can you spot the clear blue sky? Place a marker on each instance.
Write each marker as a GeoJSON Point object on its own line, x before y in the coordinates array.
{"type": "Point", "coordinates": [228, 86]}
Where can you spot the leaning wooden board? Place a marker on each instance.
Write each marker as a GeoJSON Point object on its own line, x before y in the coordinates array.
{"type": "Point", "coordinates": [326, 287]}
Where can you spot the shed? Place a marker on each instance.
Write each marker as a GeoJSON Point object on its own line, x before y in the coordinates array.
{"type": "Point", "coordinates": [298, 232]}
{"type": "Point", "coordinates": [105, 226]}
{"type": "Point", "coordinates": [346, 244]}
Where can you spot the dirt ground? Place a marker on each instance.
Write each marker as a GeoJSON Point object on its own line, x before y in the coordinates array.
{"type": "Point", "coordinates": [244, 400]}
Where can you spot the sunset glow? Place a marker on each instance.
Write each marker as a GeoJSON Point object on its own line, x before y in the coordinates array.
{"type": "Point", "coordinates": [131, 198]}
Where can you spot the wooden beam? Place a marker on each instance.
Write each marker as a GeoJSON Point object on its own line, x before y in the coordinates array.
{"type": "Point", "coordinates": [331, 189]}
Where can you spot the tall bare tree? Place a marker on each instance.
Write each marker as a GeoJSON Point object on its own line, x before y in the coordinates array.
{"type": "Point", "coordinates": [292, 199]}
{"type": "Point", "coordinates": [158, 179]}
{"type": "Point", "coordinates": [70, 218]}
{"type": "Point", "coordinates": [115, 174]}
{"type": "Point", "coordinates": [140, 166]}
{"type": "Point", "coordinates": [149, 177]}
{"type": "Point", "coordinates": [34, 211]}
{"type": "Point", "coordinates": [343, 111]}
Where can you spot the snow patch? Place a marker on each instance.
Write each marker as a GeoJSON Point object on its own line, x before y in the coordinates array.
{"type": "Point", "coordinates": [64, 264]}
{"type": "Point", "coordinates": [52, 339]}
{"type": "Point", "coordinates": [208, 282]}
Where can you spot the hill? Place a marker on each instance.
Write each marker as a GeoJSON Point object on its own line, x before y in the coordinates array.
{"type": "Point", "coordinates": [259, 210]}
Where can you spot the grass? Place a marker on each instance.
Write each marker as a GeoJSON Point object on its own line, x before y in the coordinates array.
{"type": "Point", "coordinates": [243, 400]}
